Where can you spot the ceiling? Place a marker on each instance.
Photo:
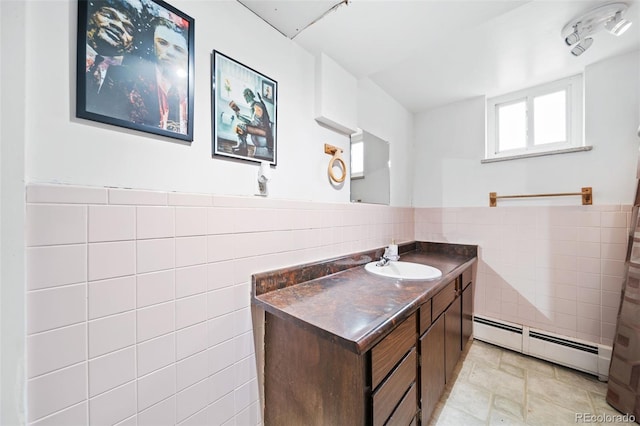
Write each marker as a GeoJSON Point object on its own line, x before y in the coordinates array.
{"type": "Point", "coordinates": [428, 53]}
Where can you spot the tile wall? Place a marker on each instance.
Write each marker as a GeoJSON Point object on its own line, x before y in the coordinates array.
{"type": "Point", "coordinates": [138, 303]}
{"type": "Point", "coordinates": [559, 269]}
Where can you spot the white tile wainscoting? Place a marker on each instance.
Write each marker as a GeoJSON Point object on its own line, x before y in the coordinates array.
{"type": "Point", "coordinates": [138, 302]}
{"type": "Point", "coordinates": [555, 268]}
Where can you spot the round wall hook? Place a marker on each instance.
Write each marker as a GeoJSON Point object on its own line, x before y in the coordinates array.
{"type": "Point", "coordinates": [337, 157]}
{"type": "Point", "coordinates": [338, 179]}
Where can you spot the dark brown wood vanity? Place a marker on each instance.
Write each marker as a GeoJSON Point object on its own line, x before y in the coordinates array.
{"type": "Point", "coordinates": [343, 346]}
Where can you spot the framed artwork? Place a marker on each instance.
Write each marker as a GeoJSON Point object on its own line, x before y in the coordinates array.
{"type": "Point", "coordinates": [244, 111]}
{"type": "Point", "coordinates": [135, 66]}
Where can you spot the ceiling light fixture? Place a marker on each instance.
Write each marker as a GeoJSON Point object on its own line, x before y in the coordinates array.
{"type": "Point", "coordinates": [579, 31]}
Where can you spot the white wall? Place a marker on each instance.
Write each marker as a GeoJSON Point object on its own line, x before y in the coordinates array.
{"type": "Point", "coordinates": [12, 288]}
{"type": "Point", "coordinates": [63, 149]}
{"type": "Point", "coordinates": [450, 145]}
{"type": "Point", "coordinates": [383, 116]}
{"type": "Point", "coordinates": [1, 287]}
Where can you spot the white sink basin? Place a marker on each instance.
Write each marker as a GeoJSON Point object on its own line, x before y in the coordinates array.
{"type": "Point", "coordinates": [404, 270]}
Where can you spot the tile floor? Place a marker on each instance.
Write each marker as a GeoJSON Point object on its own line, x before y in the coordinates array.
{"type": "Point", "coordinates": [496, 386]}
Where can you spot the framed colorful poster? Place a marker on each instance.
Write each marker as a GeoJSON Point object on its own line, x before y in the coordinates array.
{"type": "Point", "coordinates": [244, 111]}
{"type": "Point", "coordinates": [135, 66]}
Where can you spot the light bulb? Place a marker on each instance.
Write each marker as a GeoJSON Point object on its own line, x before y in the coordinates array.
{"type": "Point", "coordinates": [581, 47]}
{"type": "Point", "coordinates": [572, 38]}
{"type": "Point", "coordinates": [617, 25]}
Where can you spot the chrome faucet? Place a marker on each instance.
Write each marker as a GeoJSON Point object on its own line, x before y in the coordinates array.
{"type": "Point", "coordinates": [387, 257]}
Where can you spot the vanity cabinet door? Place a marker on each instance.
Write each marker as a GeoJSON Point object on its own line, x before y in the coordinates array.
{"type": "Point", "coordinates": [467, 315]}
{"type": "Point", "coordinates": [441, 346]}
{"type": "Point", "coordinates": [432, 378]}
{"type": "Point", "coordinates": [452, 337]}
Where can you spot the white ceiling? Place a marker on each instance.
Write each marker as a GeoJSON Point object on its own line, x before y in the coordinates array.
{"type": "Point", "coordinates": [427, 53]}
{"type": "Point", "coordinates": [290, 17]}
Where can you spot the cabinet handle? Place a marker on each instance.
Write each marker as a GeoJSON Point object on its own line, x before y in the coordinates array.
{"type": "Point", "coordinates": [458, 286]}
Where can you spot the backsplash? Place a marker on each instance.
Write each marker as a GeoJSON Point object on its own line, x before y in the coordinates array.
{"type": "Point", "coordinates": [138, 302]}
{"type": "Point", "coordinates": [558, 268]}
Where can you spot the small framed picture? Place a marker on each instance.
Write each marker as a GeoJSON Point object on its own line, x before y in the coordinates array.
{"type": "Point", "coordinates": [267, 91]}
{"type": "Point", "coordinates": [244, 111]}
{"type": "Point", "coordinates": [135, 66]}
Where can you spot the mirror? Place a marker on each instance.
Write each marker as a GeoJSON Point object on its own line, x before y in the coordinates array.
{"type": "Point", "coordinates": [370, 182]}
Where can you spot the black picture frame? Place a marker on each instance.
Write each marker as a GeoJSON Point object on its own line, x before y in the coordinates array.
{"type": "Point", "coordinates": [135, 66]}
{"type": "Point", "coordinates": [244, 124]}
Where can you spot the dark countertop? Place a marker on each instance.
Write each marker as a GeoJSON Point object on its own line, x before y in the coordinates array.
{"type": "Point", "coordinates": [341, 301]}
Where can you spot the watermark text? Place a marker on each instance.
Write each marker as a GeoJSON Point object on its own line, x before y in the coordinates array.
{"type": "Point", "coordinates": [604, 418]}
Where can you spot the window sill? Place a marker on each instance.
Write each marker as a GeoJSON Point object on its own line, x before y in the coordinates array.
{"type": "Point", "coordinates": [537, 154]}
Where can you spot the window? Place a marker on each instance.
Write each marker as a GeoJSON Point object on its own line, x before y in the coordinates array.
{"type": "Point", "coordinates": [541, 120]}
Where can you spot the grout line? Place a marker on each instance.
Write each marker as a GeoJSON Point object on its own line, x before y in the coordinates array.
{"type": "Point", "coordinates": [136, 308]}
{"type": "Point", "coordinates": [175, 317]}
{"type": "Point", "coordinates": [86, 321]}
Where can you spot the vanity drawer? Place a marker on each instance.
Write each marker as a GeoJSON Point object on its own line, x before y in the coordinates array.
{"type": "Point", "coordinates": [466, 278]}
{"type": "Point", "coordinates": [386, 354]}
{"type": "Point", "coordinates": [387, 396]}
{"type": "Point", "coordinates": [425, 316]}
{"type": "Point", "coordinates": [406, 411]}
{"type": "Point", "coordinates": [444, 298]}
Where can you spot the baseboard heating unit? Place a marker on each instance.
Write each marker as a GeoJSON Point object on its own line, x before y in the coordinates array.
{"type": "Point", "coordinates": [573, 353]}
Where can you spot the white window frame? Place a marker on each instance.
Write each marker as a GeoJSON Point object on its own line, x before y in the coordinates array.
{"type": "Point", "coordinates": [574, 114]}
